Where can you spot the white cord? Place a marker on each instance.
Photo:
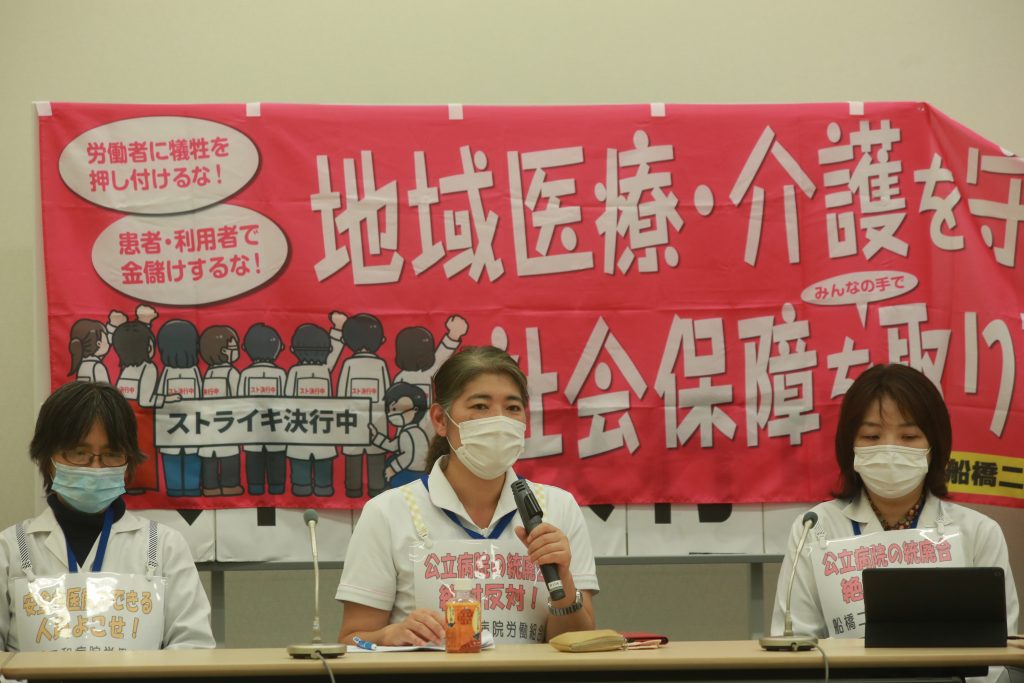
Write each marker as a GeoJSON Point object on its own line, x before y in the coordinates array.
{"type": "Point", "coordinates": [331, 673]}
{"type": "Point", "coordinates": [824, 656]}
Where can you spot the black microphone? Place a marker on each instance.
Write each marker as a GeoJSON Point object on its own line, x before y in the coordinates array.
{"type": "Point", "coordinates": [317, 647]}
{"type": "Point", "coordinates": [529, 510]}
{"type": "Point", "coordinates": [788, 641]}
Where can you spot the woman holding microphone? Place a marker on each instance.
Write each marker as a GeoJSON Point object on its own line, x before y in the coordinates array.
{"type": "Point", "coordinates": [461, 521]}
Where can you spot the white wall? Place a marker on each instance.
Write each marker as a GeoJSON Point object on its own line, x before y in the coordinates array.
{"type": "Point", "coordinates": [963, 57]}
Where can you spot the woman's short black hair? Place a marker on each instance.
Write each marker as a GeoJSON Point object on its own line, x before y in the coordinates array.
{"type": "Point", "coordinates": [262, 343]}
{"type": "Point", "coordinates": [179, 344]}
{"type": "Point", "coordinates": [917, 399]}
{"type": "Point", "coordinates": [311, 344]}
{"type": "Point", "coordinates": [132, 342]}
{"type": "Point", "coordinates": [414, 349]}
{"type": "Point", "coordinates": [68, 415]}
{"type": "Point", "coordinates": [363, 332]}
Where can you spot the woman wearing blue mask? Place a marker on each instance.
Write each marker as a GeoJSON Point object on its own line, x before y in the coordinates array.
{"type": "Point", "coordinates": [461, 521]}
{"type": "Point", "coordinates": [893, 444]}
{"type": "Point", "coordinates": [87, 573]}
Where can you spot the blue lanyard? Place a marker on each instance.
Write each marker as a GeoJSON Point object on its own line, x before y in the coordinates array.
{"type": "Point", "coordinates": [101, 550]}
{"type": "Point", "coordinates": [495, 533]}
{"type": "Point", "coordinates": [913, 525]}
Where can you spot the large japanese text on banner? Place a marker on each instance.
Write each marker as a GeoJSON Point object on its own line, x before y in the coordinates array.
{"type": "Point", "coordinates": [690, 289]}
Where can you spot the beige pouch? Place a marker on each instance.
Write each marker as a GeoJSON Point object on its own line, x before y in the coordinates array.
{"type": "Point", "coordinates": [589, 641]}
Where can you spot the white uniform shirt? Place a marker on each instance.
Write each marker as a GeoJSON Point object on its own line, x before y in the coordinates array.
{"type": "Point", "coordinates": [138, 383]}
{"type": "Point", "coordinates": [310, 381]}
{"type": "Point", "coordinates": [263, 379]}
{"type": "Point", "coordinates": [187, 383]}
{"type": "Point", "coordinates": [220, 381]}
{"type": "Point", "coordinates": [186, 608]}
{"type": "Point", "coordinates": [984, 546]}
{"type": "Point", "coordinates": [92, 370]}
{"type": "Point", "coordinates": [409, 447]}
{"type": "Point", "coordinates": [364, 375]}
{"type": "Point", "coordinates": [378, 572]}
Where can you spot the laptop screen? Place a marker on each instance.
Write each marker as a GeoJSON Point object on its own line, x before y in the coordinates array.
{"type": "Point", "coordinates": [934, 607]}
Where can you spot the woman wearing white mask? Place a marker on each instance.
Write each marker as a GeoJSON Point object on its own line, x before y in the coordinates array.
{"type": "Point", "coordinates": [87, 573]}
{"type": "Point", "coordinates": [893, 443]}
{"type": "Point", "coordinates": [461, 521]}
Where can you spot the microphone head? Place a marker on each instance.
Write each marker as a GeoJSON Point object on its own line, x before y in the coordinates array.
{"type": "Point", "coordinates": [526, 502]}
{"type": "Point", "coordinates": [810, 517]}
{"type": "Point", "coordinates": [312, 516]}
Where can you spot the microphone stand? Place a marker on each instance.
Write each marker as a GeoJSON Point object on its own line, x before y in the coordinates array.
{"type": "Point", "coordinates": [789, 641]}
{"type": "Point", "coordinates": [316, 648]}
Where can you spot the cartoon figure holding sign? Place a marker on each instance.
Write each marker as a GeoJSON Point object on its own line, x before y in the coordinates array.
{"type": "Point", "coordinates": [365, 375]}
{"type": "Point", "coordinates": [221, 465]}
{"type": "Point", "coordinates": [179, 350]}
{"type": "Point", "coordinates": [312, 465]}
{"type": "Point", "coordinates": [135, 346]}
{"type": "Point", "coordinates": [264, 463]}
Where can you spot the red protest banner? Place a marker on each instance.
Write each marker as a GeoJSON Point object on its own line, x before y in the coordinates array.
{"type": "Point", "coordinates": [690, 289]}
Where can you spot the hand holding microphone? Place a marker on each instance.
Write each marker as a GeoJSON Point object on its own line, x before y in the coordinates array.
{"type": "Point", "coordinates": [550, 547]}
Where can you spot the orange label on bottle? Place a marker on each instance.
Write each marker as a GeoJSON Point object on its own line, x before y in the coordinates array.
{"type": "Point", "coordinates": [462, 627]}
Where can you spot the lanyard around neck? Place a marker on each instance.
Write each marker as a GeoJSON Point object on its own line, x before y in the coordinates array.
{"type": "Point", "coordinates": [101, 548]}
{"type": "Point", "coordinates": [913, 524]}
{"type": "Point", "coordinates": [472, 533]}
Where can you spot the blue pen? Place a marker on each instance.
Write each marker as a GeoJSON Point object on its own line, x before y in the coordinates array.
{"type": "Point", "coordinates": [364, 644]}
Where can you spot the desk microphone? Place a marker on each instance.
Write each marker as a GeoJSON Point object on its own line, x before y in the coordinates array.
{"type": "Point", "coordinates": [788, 641]}
{"type": "Point", "coordinates": [315, 648]}
{"type": "Point", "coordinates": [529, 510]}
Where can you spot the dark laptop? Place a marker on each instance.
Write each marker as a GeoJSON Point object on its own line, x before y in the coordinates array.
{"type": "Point", "coordinates": [935, 607]}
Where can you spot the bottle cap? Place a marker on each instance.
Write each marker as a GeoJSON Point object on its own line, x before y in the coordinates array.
{"type": "Point", "coordinates": [462, 584]}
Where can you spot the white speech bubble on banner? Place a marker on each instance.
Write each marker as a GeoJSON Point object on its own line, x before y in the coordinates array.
{"type": "Point", "coordinates": [158, 164]}
{"type": "Point", "coordinates": [859, 289]}
{"type": "Point", "coordinates": [190, 259]}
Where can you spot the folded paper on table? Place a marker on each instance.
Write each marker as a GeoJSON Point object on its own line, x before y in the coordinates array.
{"type": "Point", "coordinates": [486, 643]}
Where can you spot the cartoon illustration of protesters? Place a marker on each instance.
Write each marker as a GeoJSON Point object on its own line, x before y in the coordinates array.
{"type": "Point", "coordinates": [418, 359]}
{"type": "Point", "coordinates": [364, 375]}
{"type": "Point", "coordinates": [178, 341]}
{"type": "Point", "coordinates": [406, 405]}
{"type": "Point", "coordinates": [219, 347]}
{"type": "Point", "coordinates": [135, 346]}
{"type": "Point", "coordinates": [89, 342]}
{"type": "Point", "coordinates": [312, 465]}
{"type": "Point", "coordinates": [264, 463]}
